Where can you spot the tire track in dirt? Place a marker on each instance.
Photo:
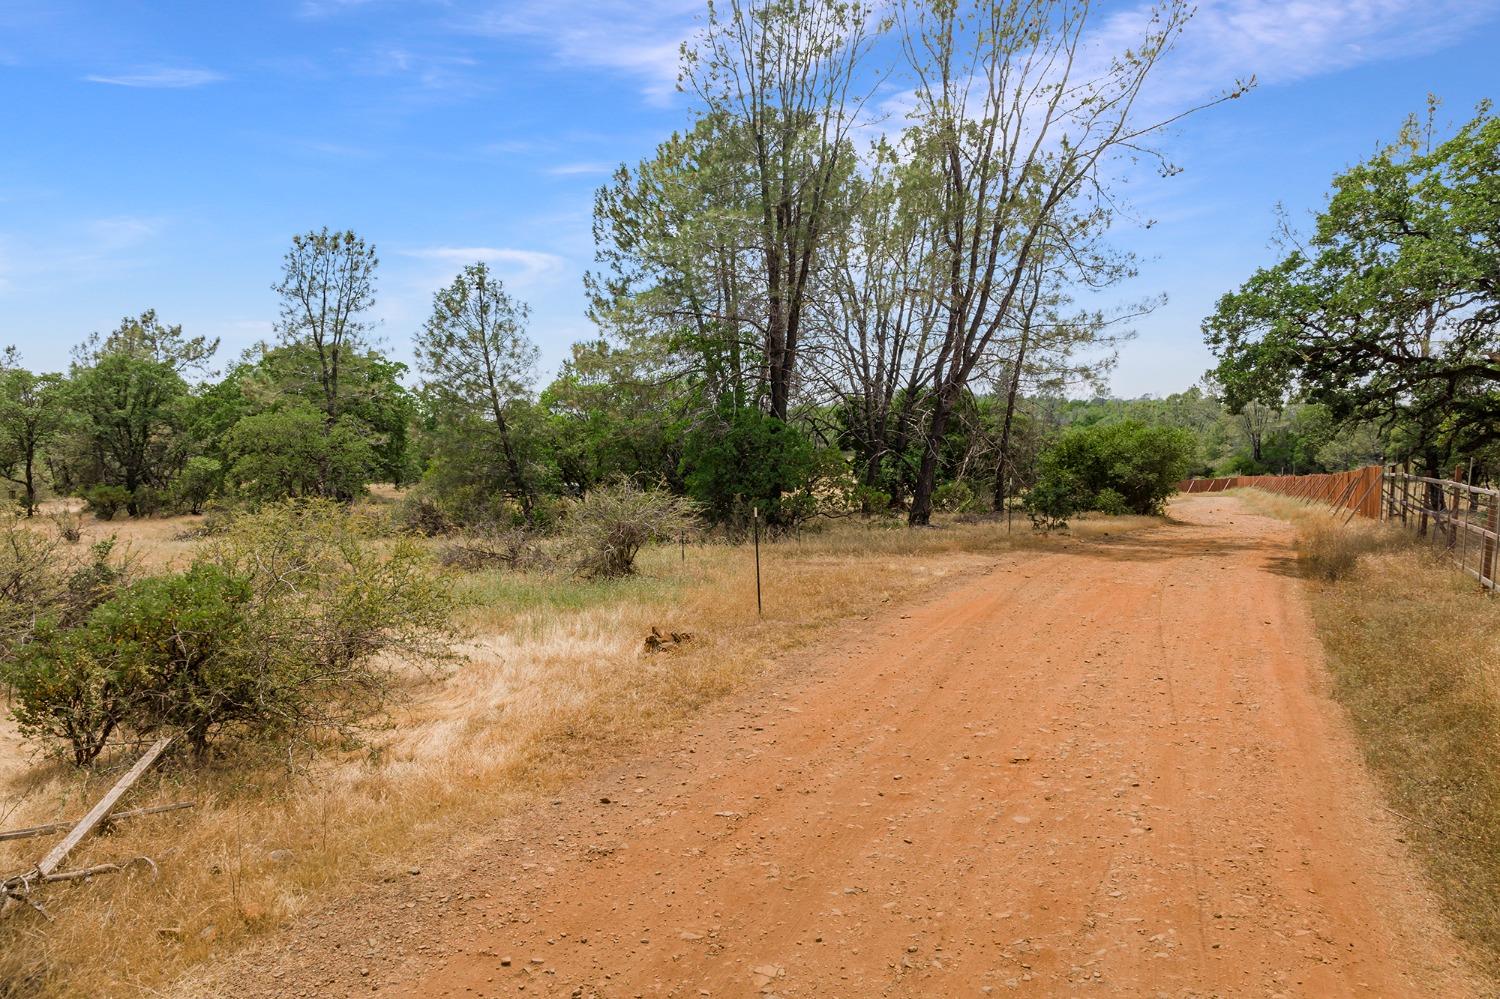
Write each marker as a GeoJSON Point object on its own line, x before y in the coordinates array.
{"type": "Point", "coordinates": [1109, 769]}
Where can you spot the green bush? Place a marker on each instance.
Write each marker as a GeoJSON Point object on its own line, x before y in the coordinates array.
{"type": "Point", "coordinates": [147, 501]}
{"type": "Point", "coordinates": [293, 453]}
{"type": "Point", "coordinates": [31, 582]}
{"type": "Point", "coordinates": [106, 501]}
{"type": "Point", "coordinates": [606, 529]}
{"type": "Point", "coordinates": [199, 481]}
{"type": "Point", "coordinates": [45, 584]}
{"type": "Point", "coordinates": [746, 459]}
{"type": "Point", "coordinates": [1108, 501]}
{"type": "Point", "coordinates": [166, 652]}
{"type": "Point", "coordinates": [323, 582]}
{"type": "Point", "coordinates": [1124, 467]}
{"type": "Point", "coordinates": [953, 497]}
{"type": "Point", "coordinates": [290, 623]}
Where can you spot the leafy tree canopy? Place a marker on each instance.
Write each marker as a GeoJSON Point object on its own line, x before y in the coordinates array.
{"type": "Point", "coordinates": [1389, 312]}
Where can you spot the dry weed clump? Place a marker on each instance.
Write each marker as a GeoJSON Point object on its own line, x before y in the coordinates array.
{"type": "Point", "coordinates": [1413, 646]}
{"type": "Point", "coordinates": [1332, 550]}
{"type": "Point", "coordinates": [552, 681]}
{"type": "Point", "coordinates": [494, 547]}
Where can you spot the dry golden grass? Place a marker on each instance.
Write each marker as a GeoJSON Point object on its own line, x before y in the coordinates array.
{"type": "Point", "coordinates": [154, 541]}
{"type": "Point", "coordinates": [1414, 649]}
{"type": "Point", "coordinates": [554, 681]}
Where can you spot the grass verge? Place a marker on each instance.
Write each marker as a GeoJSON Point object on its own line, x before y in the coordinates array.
{"type": "Point", "coordinates": [554, 682]}
{"type": "Point", "coordinates": [1414, 649]}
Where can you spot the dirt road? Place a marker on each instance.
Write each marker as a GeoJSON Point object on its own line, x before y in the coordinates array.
{"type": "Point", "coordinates": [1108, 770]}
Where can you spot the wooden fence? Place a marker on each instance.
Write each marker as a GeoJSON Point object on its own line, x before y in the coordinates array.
{"type": "Point", "coordinates": [1458, 519]}
{"type": "Point", "coordinates": [1454, 517]}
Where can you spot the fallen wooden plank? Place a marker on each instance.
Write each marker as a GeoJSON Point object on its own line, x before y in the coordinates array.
{"type": "Point", "coordinates": [53, 860]}
{"type": "Point", "coordinates": [18, 888]}
{"type": "Point", "coordinates": [57, 827]}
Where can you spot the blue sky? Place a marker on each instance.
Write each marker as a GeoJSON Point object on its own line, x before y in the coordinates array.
{"type": "Point", "coordinates": [160, 155]}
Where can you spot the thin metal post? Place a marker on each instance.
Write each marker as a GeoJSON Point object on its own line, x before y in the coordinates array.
{"type": "Point", "coordinates": [1424, 490]}
{"type": "Point", "coordinates": [1406, 494]}
{"type": "Point", "coordinates": [755, 520]}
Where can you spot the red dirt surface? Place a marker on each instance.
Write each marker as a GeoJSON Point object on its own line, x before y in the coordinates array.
{"type": "Point", "coordinates": [1110, 769]}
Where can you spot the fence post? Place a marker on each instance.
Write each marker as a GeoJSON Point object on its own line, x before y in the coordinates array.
{"type": "Point", "coordinates": [755, 519]}
{"type": "Point", "coordinates": [1488, 569]}
{"type": "Point", "coordinates": [1424, 491]}
{"type": "Point", "coordinates": [1453, 511]}
{"type": "Point", "coordinates": [1406, 494]}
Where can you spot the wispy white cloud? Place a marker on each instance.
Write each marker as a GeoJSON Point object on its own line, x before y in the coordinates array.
{"type": "Point", "coordinates": [78, 251]}
{"type": "Point", "coordinates": [516, 147]}
{"type": "Point", "coordinates": [581, 169]}
{"type": "Point", "coordinates": [323, 147]}
{"type": "Point", "coordinates": [451, 72]}
{"type": "Point", "coordinates": [120, 232]}
{"type": "Point", "coordinates": [520, 267]}
{"type": "Point", "coordinates": [328, 8]}
{"type": "Point", "coordinates": [1285, 41]}
{"type": "Point", "coordinates": [640, 38]}
{"type": "Point", "coordinates": [160, 77]}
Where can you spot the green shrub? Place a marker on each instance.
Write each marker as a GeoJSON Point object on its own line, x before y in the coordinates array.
{"type": "Point", "coordinates": [90, 582]}
{"type": "Point", "coordinates": [953, 497]}
{"type": "Point", "coordinates": [147, 501]}
{"type": "Point", "coordinates": [289, 623]}
{"type": "Point", "coordinates": [63, 691]}
{"type": "Point", "coordinates": [747, 460]}
{"type": "Point", "coordinates": [1123, 467]}
{"type": "Point", "coordinates": [199, 481]}
{"type": "Point", "coordinates": [1108, 501]}
{"type": "Point", "coordinates": [106, 501]}
{"type": "Point", "coordinates": [43, 584]}
{"type": "Point", "coordinates": [293, 453]}
{"type": "Point", "coordinates": [31, 580]}
{"type": "Point", "coordinates": [315, 567]}
{"type": "Point", "coordinates": [606, 529]}
{"type": "Point", "coordinates": [168, 652]}
{"type": "Point", "coordinates": [870, 500]}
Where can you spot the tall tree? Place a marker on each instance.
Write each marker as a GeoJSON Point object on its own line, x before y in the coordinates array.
{"type": "Point", "coordinates": [874, 312]}
{"type": "Point", "coordinates": [1390, 314]}
{"type": "Point", "coordinates": [674, 285]}
{"type": "Point", "coordinates": [1020, 133]}
{"type": "Point", "coordinates": [373, 404]}
{"type": "Point", "coordinates": [327, 287]}
{"type": "Point", "coordinates": [32, 413]}
{"type": "Point", "coordinates": [129, 396]}
{"type": "Point", "coordinates": [784, 77]}
{"type": "Point", "coordinates": [479, 366]}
